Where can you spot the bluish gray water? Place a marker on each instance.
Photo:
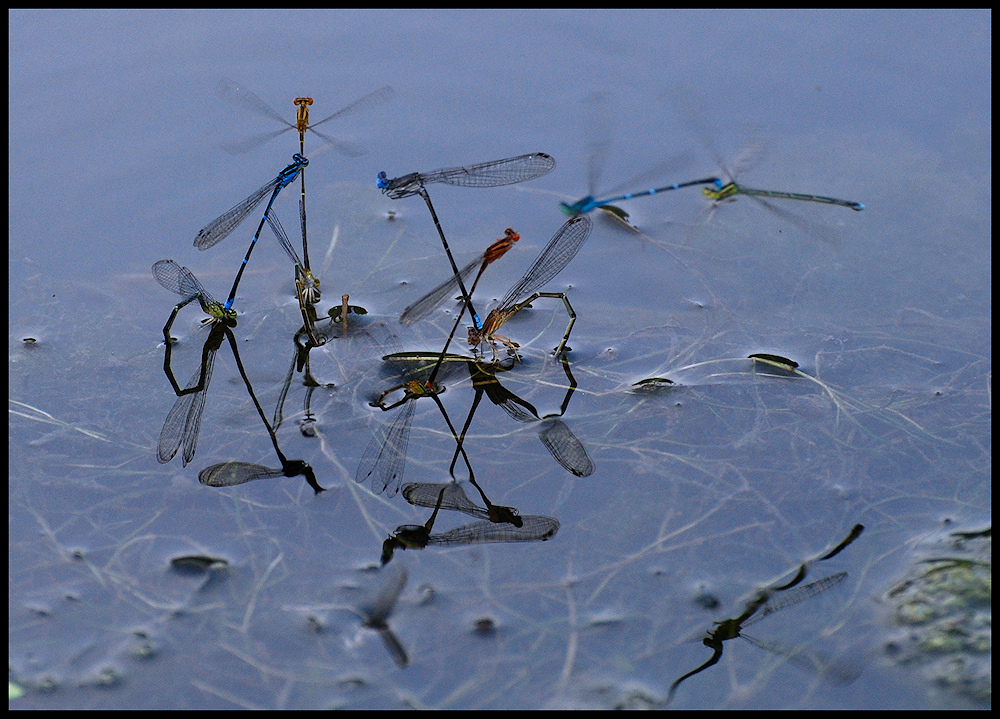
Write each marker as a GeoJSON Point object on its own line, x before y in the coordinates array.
{"type": "Point", "coordinates": [702, 492]}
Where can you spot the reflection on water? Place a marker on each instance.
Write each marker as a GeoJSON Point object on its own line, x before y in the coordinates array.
{"type": "Point", "coordinates": [503, 524]}
{"type": "Point", "coordinates": [768, 601]}
{"type": "Point", "coordinates": [734, 394]}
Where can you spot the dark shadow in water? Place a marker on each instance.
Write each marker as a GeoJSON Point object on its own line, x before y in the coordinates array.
{"type": "Point", "coordinates": [376, 614]}
{"type": "Point", "coordinates": [532, 528]}
{"type": "Point", "coordinates": [768, 601]}
{"type": "Point", "coordinates": [554, 434]}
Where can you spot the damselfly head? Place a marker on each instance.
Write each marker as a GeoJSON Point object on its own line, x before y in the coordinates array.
{"type": "Point", "coordinates": [411, 536]}
{"type": "Point", "coordinates": [509, 515]}
{"type": "Point", "coordinates": [576, 208]}
{"type": "Point", "coordinates": [399, 187]}
{"type": "Point", "coordinates": [720, 191]}
{"type": "Point", "coordinates": [499, 247]}
{"type": "Point", "coordinates": [220, 312]}
{"type": "Point", "coordinates": [388, 548]}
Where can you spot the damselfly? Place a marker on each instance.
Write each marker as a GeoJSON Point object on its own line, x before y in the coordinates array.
{"type": "Point", "coordinates": [727, 190]}
{"type": "Point", "coordinates": [433, 299]}
{"type": "Point", "coordinates": [232, 92]}
{"type": "Point", "coordinates": [496, 173]}
{"type": "Point", "coordinates": [221, 227]}
{"type": "Point", "coordinates": [598, 121]}
{"type": "Point", "coordinates": [561, 249]}
{"type": "Point", "coordinates": [306, 285]}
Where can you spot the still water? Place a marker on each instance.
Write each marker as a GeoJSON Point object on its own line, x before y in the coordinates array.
{"type": "Point", "coordinates": [676, 483]}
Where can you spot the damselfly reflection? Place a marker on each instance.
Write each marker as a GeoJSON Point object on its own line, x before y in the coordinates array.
{"type": "Point", "coordinates": [230, 474]}
{"type": "Point", "coordinates": [384, 458]}
{"type": "Point", "coordinates": [495, 173]}
{"type": "Point", "coordinates": [299, 363]}
{"type": "Point", "coordinates": [769, 601]}
{"type": "Point", "coordinates": [554, 434]}
{"type": "Point", "coordinates": [450, 495]}
{"type": "Point", "coordinates": [376, 614]}
{"type": "Point", "coordinates": [761, 607]}
{"type": "Point", "coordinates": [565, 448]}
{"type": "Point", "coordinates": [183, 422]}
{"type": "Point", "coordinates": [533, 528]}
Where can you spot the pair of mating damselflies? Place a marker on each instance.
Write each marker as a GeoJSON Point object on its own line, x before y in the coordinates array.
{"type": "Point", "coordinates": [385, 456]}
{"type": "Point", "coordinates": [307, 286]}
{"type": "Point", "coordinates": [433, 299]}
{"type": "Point", "coordinates": [769, 601]}
{"type": "Point", "coordinates": [231, 92]}
{"type": "Point", "coordinates": [715, 189]}
{"type": "Point", "coordinates": [553, 258]}
{"type": "Point", "coordinates": [718, 191]}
